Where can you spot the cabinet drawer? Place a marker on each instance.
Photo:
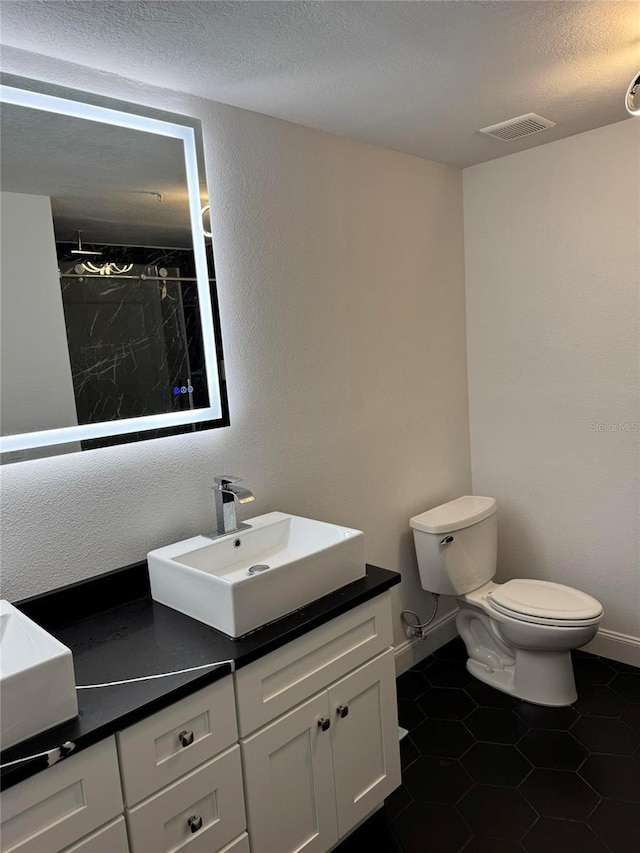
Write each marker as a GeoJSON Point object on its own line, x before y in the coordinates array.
{"type": "Point", "coordinates": [238, 845]}
{"type": "Point", "coordinates": [109, 839]}
{"type": "Point", "coordinates": [52, 810]}
{"type": "Point", "coordinates": [152, 753]}
{"type": "Point", "coordinates": [275, 683]}
{"type": "Point", "coordinates": [212, 795]}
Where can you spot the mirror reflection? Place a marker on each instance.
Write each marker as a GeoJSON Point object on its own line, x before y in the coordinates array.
{"type": "Point", "coordinates": [106, 335]}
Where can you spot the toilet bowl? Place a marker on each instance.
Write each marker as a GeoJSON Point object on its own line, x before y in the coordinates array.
{"type": "Point", "coordinates": [519, 634]}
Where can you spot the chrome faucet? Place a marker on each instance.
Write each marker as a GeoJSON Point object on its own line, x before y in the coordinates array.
{"type": "Point", "coordinates": [226, 495]}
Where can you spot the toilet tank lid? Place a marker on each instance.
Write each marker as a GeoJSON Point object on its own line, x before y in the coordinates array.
{"type": "Point", "coordinates": [454, 515]}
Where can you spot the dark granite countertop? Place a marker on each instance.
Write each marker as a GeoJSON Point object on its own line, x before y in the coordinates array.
{"type": "Point", "coordinates": [123, 634]}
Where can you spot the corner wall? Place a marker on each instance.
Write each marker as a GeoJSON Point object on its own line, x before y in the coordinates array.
{"type": "Point", "coordinates": [30, 297]}
{"type": "Point", "coordinates": [552, 240]}
{"type": "Point", "coordinates": [341, 278]}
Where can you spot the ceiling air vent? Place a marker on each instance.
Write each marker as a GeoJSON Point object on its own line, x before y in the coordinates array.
{"type": "Point", "coordinates": [516, 128]}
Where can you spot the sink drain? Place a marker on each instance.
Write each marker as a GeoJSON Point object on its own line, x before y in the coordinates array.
{"type": "Point", "coordinates": [260, 567]}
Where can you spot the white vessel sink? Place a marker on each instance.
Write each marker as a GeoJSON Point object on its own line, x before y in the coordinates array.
{"type": "Point", "coordinates": [241, 581]}
{"type": "Point", "coordinates": [37, 683]}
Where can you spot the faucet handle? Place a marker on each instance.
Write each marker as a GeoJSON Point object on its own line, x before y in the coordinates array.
{"type": "Point", "coordinates": [225, 480]}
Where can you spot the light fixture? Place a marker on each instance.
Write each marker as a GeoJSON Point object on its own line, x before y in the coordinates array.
{"type": "Point", "coordinates": [205, 209]}
{"type": "Point", "coordinates": [97, 269]}
{"type": "Point", "coordinates": [81, 251]}
{"type": "Point", "coordinates": [107, 269]}
{"type": "Point", "coordinates": [632, 100]}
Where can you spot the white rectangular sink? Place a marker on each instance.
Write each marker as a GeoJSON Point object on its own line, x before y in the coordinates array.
{"type": "Point", "coordinates": [244, 580]}
{"type": "Point", "coordinates": [37, 682]}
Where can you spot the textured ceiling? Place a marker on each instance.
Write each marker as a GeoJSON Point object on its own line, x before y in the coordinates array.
{"type": "Point", "coordinates": [115, 184]}
{"type": "Point", "coordinates": [418, 77]}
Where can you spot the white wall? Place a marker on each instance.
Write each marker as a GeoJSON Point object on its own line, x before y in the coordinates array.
{"type": "Point", "coordinates": [552, 240]}
{"type": "Point", "coordinates": [35, 357]}
{"type": "Point", "coordinates": [341, 279]}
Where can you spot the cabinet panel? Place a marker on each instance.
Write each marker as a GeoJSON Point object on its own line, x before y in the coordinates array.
{"type": "Point", "coordinates": [238, 845]}
{"type": "Point", "coordinates": [109, 839]}
{"type": "Point", "coordinates": [55, 808]}
{"type": "Point", "coordinates": [270, 686]}
{"type": "Point", "coordinates": [288, 773]}
{"type": "Point", "coordinates": [364, 735]}
{"type": "Point", "coordinates": [159, 749]}
{"type": "Point", "coordinates": [200, 813]}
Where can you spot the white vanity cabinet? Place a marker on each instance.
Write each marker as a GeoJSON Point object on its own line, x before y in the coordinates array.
{"type": "Point", "coordinates": [314, 772]}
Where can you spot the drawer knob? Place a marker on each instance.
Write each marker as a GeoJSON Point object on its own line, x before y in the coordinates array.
{"type": "Point", "coordinates": [186, 738]}
{"type": "Point", "coordinates": [342, 711]}
{"type": "Point", "coordinates": [194, 822]}
{"type": "Point", "coordinates": [324, 724]}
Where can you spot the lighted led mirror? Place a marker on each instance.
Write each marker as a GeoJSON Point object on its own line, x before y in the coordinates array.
{"type": "Point", "coordinates": [110, 330]}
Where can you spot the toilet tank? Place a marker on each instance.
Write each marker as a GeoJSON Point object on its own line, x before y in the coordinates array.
{"type": "Point", "coordinates": [456, 545]}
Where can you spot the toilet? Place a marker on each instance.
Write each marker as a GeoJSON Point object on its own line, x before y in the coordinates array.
{"type": "Point", "coordinates": [518, 634]}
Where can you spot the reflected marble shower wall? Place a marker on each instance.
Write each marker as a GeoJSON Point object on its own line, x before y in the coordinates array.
{"type": "Point", "coordinates": [133, 332]}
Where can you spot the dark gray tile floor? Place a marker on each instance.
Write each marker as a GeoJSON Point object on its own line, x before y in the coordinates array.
{"type": "Point", "coordinates": [486, 773]}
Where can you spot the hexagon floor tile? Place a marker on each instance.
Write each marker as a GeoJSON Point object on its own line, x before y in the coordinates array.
{"type": "Point", "coordinates": [494, 812]}
{"type": "Point", "coordinates": [592, 670]}
{"type": "Point", "coordinates": [616, 823]}
{"type": "Point", "coordinates": [437, 780]}
{"type": "Point", "coordinates": [552, 750]}
{"type": "Point", "coordinates": [496, 725]}
{"type": "Point", "coordinates": [606, 735]}
{"type": "Point", "coordinates": [559, 793]}
{"type": "Point", "coordinates": [549, 834]}
{"type": "Point", "coordinates": [446, 703]}
{"type": "Point", "coordinates": [496, 764]}
{"type": "Point", "coordinates": [422, 826]}
{"type": "Point", "coordinates": [486, 773]}
{"type": "Point", "coordinates": [442, 738]}
{"type": "Point", "coordinates": [614, 777]}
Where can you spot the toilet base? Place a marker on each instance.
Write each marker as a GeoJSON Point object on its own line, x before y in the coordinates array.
{"type": "Point", "coordinates": [543, 675]}
{"type": "Point", "coordinates": [542, 678]}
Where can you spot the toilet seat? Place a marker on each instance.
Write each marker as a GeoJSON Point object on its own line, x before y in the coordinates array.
{"type": "Point", "coordinates": [545, 603]}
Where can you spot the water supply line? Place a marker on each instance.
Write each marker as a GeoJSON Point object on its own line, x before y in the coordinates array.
{"type": "Point", "coordinates": [417, 628]}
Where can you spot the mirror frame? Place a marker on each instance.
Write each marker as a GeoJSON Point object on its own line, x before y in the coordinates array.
{"type": "Point", "coordinates": [35, 95]}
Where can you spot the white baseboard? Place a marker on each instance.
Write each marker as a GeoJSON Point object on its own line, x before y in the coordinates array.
{"type": "Point", "coordinates": [615, 646]}
{"type": "Point", "coordinates": [411, 652]}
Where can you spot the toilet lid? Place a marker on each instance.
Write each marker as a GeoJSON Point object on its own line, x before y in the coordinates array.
{"type": "Point", "coordinates": [545, 601]}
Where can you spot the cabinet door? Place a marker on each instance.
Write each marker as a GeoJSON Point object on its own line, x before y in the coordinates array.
{"type": "Point", "coordinates": [288, 773]}
{"type": "Point", "coordinates": [364, 735]}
